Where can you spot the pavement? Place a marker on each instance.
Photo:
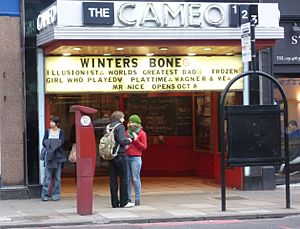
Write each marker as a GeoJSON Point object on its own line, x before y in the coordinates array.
{"type": "Point", "coordinates": [176, 205]}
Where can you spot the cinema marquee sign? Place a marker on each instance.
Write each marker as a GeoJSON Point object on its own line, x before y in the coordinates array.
{"type": "Point", "coordinates": [140, 74]}
{"type": "Point", "coordinates": [149, 14]}
{"type": "Point", "coordinates": [165, 14]}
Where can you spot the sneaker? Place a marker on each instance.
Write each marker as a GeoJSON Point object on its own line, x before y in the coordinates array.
{"type": "Point", "coordinates": [137, 203]}
{"type": "Point", "coordinates": [294, 173]}
{"type": "Point", "coordinates": [129, 205]}
{"type": "Point", "coordinates": [45, 199]}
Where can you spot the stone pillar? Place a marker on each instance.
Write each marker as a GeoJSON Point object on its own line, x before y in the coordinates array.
{"type": "Point", "coordinates": [11, 110]}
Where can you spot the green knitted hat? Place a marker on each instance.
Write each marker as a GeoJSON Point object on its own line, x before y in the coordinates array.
{"type": "Point", "coordinates": [135, 119]}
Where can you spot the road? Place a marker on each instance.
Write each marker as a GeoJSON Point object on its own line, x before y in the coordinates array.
{"type": "Point", "coordinates": [292, 222]}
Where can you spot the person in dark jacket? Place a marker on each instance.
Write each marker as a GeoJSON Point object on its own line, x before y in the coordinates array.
{"type": "Point", "coordinates": [118, 165]}
{"type": "Point", "coordinates": [294, 147]}
{"type": "Point", "coordinates": [53, 141]}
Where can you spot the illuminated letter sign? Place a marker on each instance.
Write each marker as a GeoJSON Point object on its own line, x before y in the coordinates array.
{"type": "Point", "coordinates": [140, 74]}
{"type": "Point", "coordinates": [98, 13]}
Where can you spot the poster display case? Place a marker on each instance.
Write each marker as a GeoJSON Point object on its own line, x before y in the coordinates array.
{"type": "Point", "coordinates": [202, 121]}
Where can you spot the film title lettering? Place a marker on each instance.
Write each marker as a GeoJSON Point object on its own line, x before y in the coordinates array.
{"type": "Point", "coordinates": [91, 62]}
{"type": "Point", "coordinates": [165, 62]}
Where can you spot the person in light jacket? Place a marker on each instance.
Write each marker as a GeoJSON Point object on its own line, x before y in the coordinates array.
{"type": "Point", "coordinates": [53, 141]}
{"type": "Point", "coordinates": [134, 156]}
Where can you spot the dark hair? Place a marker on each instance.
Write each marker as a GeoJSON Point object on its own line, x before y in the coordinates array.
{"type": "Point", "coordinates": [293, 123]}
{"type": "Point", "coordinates": [55, 119]}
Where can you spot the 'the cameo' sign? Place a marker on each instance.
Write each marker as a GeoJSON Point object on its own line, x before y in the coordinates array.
{"type": "Point", "coordinates": [134, 74]}
{"type": "Point", "coordinates": [98, 13]}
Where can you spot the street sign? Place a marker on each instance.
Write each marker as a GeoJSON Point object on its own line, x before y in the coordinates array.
{"type": "Point", "coordinates": [246, 42]}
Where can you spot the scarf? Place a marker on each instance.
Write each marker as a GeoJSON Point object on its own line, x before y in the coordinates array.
{"type": "Point", "coordinates": [134, 128]}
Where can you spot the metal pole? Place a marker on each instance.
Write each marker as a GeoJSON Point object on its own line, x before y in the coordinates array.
{"type": "Point", "coordinates": [253, 47]}
{"type": "Point", "coordinates": [287, 161]}
{"type": "Point", "coordinates": [223, 175]}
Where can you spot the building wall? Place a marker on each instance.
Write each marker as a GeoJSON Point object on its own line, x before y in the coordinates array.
{"type": "Point", "coordinates": [11, 103]}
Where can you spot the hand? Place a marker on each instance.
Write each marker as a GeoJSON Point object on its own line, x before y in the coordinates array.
{"type": "Point", "coordinates": [134, 135]}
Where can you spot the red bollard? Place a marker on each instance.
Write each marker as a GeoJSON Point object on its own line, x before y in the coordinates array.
{"type": "Point", "coordinates": [86, 158]}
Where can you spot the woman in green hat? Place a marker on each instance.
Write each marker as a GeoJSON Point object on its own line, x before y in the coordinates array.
{"type": "Point", "coordinates": [134, 155]}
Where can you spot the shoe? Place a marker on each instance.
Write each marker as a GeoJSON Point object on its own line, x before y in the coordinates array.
{"type": "Point", "coordinates": [137, 203]}
{"type": "Point", "coordinates": [129, 205]}
{"type": "Point", "coordinates": [294, 173]}
{"type": "Point", "coordinates": [45, 199]}
{"type": "Point", "coordinates": [55, 199]}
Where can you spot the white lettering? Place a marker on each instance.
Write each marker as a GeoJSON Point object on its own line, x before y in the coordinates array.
{"type": "Point", "coordinates": [214, 15]}
{"type": "Point", "coordinates": [150, 15]}
{"type": "Point", "coordinates": [194, 12]}
{"type": "Point", "coordinates": [295, 39]}
{"type": "Point", "coordinates": [172, 15]}
{"type": "Point", "coordinates": [121, 14]}
{"type": "Point", "coordinates": [101, 12]}
{"type": "Point", "coordinates": [46, 18]}
{"type": "Point", "coordinates": [168, 11]}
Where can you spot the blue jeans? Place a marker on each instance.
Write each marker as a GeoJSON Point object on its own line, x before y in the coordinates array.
{"type": "Point", "coordinates": [134, 171]}
{"type": "Point", "coordinates": [56, 182]}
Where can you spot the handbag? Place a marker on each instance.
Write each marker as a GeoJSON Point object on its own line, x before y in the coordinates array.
{"type": "Point", "coordinates": [43, 154]}
{"type": "Point", "coordinates": [72, 155]}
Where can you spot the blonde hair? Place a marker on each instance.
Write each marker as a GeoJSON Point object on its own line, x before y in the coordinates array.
{"type": "Point", "coordinates": [117, 115]}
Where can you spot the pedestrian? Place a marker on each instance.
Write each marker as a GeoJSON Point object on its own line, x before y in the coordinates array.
{"type": "Point", "coordinates": [134, 156]}
{"type": "Point", "coordinates": [118, 165]}
{"type": "Point", "coordinates": [294, 147]}
{"type": "Point", "coordinates": [53, 141]}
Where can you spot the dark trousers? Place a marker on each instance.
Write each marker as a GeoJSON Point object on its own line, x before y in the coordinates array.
{"type": "Point", "coordinates": [118, 168]}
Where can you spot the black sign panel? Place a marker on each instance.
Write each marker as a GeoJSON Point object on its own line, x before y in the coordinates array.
{"type": "Point", "coordinates": [286, 51]}
{"type": "Point", "coordinates": [98, 13]}
{"type": "Point", "coordinates": [253, 14]}
{"type": "Point", "coordinates": [244, 14]}
{"type": "Point", "coordinates": [234, 15]}
{"type": "Point", "coordinates": [254, 135]}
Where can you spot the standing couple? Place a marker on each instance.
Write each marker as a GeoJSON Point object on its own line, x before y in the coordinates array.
{"type": "Point", "coordinates": [128, 162]}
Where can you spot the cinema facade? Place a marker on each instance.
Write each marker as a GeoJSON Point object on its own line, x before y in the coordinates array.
{"type": "Point", "coordinates": [168, 62]}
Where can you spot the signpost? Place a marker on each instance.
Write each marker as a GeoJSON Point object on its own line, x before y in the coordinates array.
{"type": "Point", "coordinates": [246, 42]}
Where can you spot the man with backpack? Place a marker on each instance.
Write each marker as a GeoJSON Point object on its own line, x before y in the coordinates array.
{"type": "Point", "coordinates": [118, 165]}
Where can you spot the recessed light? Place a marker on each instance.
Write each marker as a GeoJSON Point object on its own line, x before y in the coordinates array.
{"type": "Point", "coordinates": [192, 54]}
{"type": "Point", "coordinates": [119, 49]}
{"type": "Point", "coordinates": [77, 48]}
{"type": "Point", "coordinates": [107, 54]}
{"type": "Point", "coordinates": [149, 54]}
{"type": "Point", "coordinates": [66, 54]}
{"type": "Point", "coordinates": [163, 48]}
{"type": "Point", "coordinates": [207, 49]}
{"type": "Point", "coordinates": [229, 54]}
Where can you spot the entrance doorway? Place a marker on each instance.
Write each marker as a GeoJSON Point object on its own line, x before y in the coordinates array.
{"type": "Point", "coordinates": [182, 130]}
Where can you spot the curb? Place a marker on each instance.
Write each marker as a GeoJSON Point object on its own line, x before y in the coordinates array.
{"type": "Point", "coordinates": [151, 220]}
